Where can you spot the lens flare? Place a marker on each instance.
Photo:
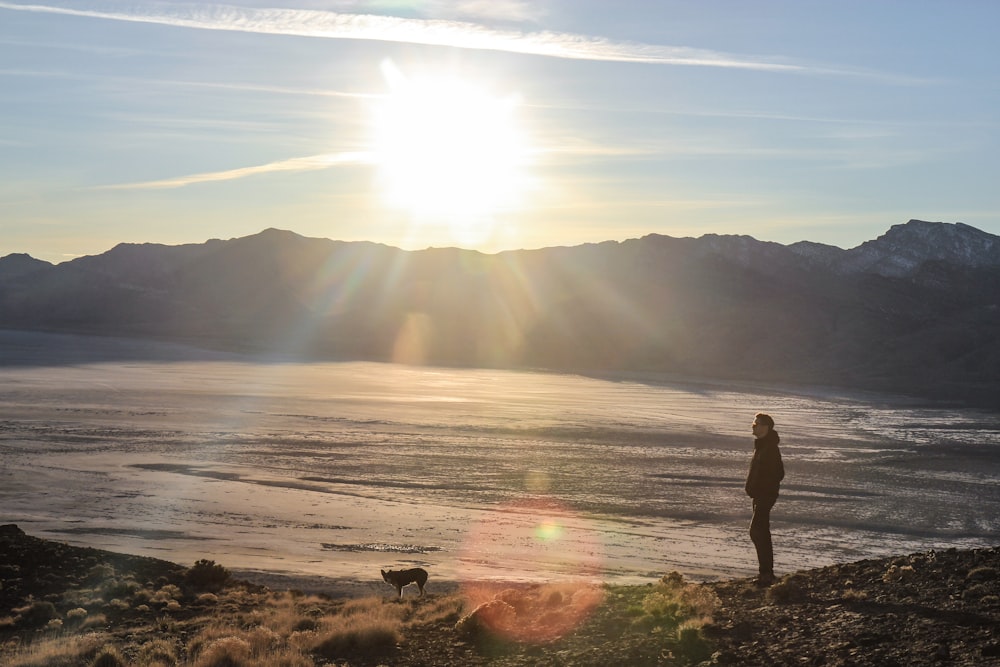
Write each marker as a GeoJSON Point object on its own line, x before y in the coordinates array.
{"type": "Point", "coordinates": [531, 570]}
{"type": "Point", "coordinates": [549, 530]}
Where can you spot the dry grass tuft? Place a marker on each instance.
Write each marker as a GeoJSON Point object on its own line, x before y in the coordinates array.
{"type": "Point", "coordinates": [436, 609]}
{"type": "Point", "coordinates": [854, 595]}
{"type": "Point", "coordinates": [157, 653]}
{"type": "Point", "coordinates": [691, 644]}
{"type": "Point", "coordinates": [676, 603]}
{"type": "Point", "coordinates": [533, 614]}
{"type": "Point", "coordinates": [229, 651]}
{"type": "Point", "coordinates": [35, 614]}
{"type": "Point", "coordinates": [108, 656]}
{"type": "Point", "coordinates": [290, 629]}
{"type": "Point", "coordinates": [368, 625]}
{"type": "Point", "coordinates": [171, 623]}
{"type": "Point", "coordinates": [790, 589]}
{"type": "Point", "coordinates": [898, 573]}
{"type": "Point", "coordinates": [983, 573]}
{"type": "Point", "coordinates": [350, 638]}
{"type": "Point", "coordinates": [54, 651]}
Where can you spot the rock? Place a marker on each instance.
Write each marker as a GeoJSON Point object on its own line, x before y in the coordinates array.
{"type": "Point", "coordinates": [10, 529]}
{"type": "Point", "coordinates": [937, 608]}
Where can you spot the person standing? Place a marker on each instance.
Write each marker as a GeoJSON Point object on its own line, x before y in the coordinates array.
{"type": "Point", "coordinates": [763, 480]}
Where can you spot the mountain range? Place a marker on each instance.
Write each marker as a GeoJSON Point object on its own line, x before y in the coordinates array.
{"type": "Point", "coordinates": [914, 311]}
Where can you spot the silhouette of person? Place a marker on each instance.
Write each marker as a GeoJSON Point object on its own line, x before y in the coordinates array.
{"type": "Point", "coordinates": [763, 479]}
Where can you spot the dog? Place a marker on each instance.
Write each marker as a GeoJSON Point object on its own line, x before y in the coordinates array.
{"type": "Point", "coordinates": [400, 578]}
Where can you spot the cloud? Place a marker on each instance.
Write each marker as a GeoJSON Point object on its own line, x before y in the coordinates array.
{"type": "Point", "coordinates": [461, 34]}
{"type": "Point", "coordinates": [503, 10]}
{"type": "Point", "coordinates": [309, 163]}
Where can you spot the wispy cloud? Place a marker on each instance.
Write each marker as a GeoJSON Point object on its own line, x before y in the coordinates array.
{"type": "Point", "coordinates": [502, 10]}
{"type": "Point", "coordinates": [134, 82]}
{"type": "Point", "coordinates": [461, 34]}
{"type": "Point", "coordinates": [309, 163]}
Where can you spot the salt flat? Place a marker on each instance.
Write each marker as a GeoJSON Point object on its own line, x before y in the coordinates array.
{"type": "Point", "coordinates": [336, 470]}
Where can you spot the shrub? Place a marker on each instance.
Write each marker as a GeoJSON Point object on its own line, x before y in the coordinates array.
{"type": "Point", "coordinates": [224, 652]}
{"type": "Point", "coordinates": [167, 593]}
{"type": "Point", "coordinates": [672, 580]}
{"type": "Point", "coordinates": [515, 598]}
{"type": "Point", "coordinates": [362, 607]}
{"type": "Point", "coordinates": [36, 614]}
{"type": "Point", "coordinates": [305, 624]}
{"type": "Point", "coordinates": [368, 639]}
{"type": "Point", "coordinates": [142, 596]}
{"type": "Point", "coordinates": [446, 608]}
{"type": "Point", "coordinates": [789, 589]}
{"type": "Point", "coordinates": [854, 595]}
{"type": "Point", "coordinates": [699, 600]}
{"type": "Point", "coordinates": [119, 588]}
{"type": "Point", "coordinates": [205, 575]}
{"type": "Point", "coordinates": [117, 604]}
{"type": "Point", "coordinates": [526, 614]}
{"type": "Point", "coordinates": [94, 621]}
{"type": "Point", "coordinates": [157, 652]}
{"type": "Point", "coordinates": [108, 656]}
{"type": "Point", "coordinates": [58, 649]}
{"type": "Point", "coordinates": [674, 599]}
{"type": "Point", "coordinates": [495, 615]}
{"type": "Point", "coordinates": [691, 645]}
{"type": "Point", "coordinates": [76, 616]}
{"type": "Point", "coordinates": [367, 625]}
{"type": "Point", "coordinates": [898, 573]}
{"type": "Point", "coordinates": [975, 592]}
{"type": "Point", "coordinates": [263, 640]}
{"type": "Point", "coordinates": [662, 606]}
{"type": "Point", "coordinates": [983, 573]}
{"type": "Point", "coordinates": [100, 572]}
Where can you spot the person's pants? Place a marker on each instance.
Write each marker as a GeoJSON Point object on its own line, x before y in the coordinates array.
{"type": "Point", "coordinates": [760, 533]}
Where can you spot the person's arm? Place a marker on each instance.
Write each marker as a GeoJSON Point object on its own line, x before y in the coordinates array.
{"type": "Point", "coordinates": [772, 469]}
{"type": "Point", "coordinates": [753, 476]}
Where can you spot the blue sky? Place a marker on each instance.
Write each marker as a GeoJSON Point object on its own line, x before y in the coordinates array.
{"type": "Point", "coordinates": [492, 124]}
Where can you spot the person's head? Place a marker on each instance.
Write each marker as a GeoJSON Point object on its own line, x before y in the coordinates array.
{"type": "Point", "coordinates": [762, 424]}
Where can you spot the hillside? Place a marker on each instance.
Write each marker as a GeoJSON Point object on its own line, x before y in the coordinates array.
{"type": "Point", "coordinates": [914, 311]}
{"type": "Point", "coordinates": [62, 605]}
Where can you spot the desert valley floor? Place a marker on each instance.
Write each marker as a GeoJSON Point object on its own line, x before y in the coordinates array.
{"type": "Point", "coordinates": [336, 470]}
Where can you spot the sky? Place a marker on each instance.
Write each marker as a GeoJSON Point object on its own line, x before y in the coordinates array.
{"type": "Point", "coordinates": [493, 124]}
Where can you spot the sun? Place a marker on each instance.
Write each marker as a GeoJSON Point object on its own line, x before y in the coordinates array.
{"type": "Point", "coordinates": [449, 152]}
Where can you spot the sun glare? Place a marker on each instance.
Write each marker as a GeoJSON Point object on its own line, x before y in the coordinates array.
{"type": "Point", "coordinates": [449, 153]}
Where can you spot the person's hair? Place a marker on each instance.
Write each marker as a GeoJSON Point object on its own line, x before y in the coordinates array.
{"type": "Point", "coordinates": [764, 419]}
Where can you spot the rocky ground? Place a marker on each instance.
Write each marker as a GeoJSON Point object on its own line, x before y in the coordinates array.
{"type": "Point", "coordinates": [935, 608]}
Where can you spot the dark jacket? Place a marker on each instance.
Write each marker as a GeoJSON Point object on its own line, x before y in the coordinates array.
{"type": "Point", "coordinates": [766, 468]}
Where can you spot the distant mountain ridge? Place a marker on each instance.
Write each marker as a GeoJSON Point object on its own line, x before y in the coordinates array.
{"type": "Point", "coordinates": [915, 310]}
{"type": "Point", "coordinates": [20, 264]}
{"type": "Point", "coordinates": [905, 248]}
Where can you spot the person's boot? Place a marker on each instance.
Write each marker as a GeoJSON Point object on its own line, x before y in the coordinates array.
{"type": "Point", "coordinates": [764, 579]}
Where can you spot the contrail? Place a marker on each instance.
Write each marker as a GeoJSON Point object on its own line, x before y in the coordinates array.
{"type": "Point", "coordinates": [461, 34]}
{"type": "Point", "coordinates": [310, 163]}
